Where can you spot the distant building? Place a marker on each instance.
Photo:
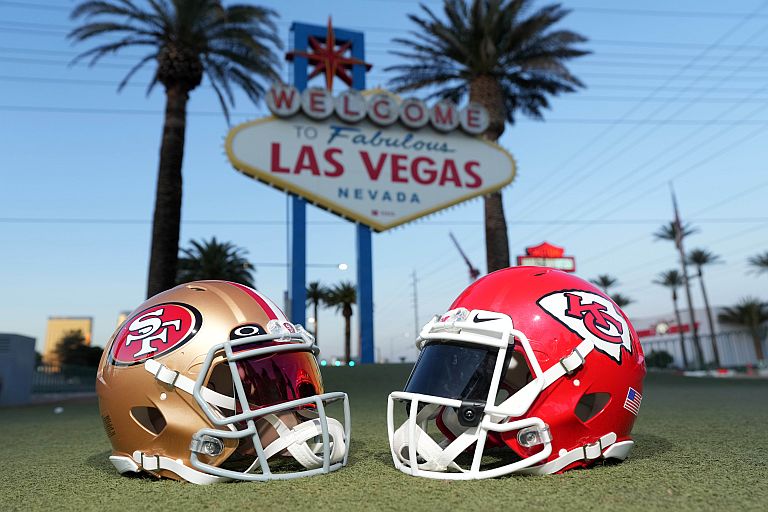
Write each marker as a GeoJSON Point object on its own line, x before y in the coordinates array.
{"type": "Point", "coordinates": [58, 327]}
{"type": "Point", "coordinates": [122, 317]}
{"type": "Point", "coordinates": [17, 364]}
{"type": "Point", "coordinates": [734, 343]}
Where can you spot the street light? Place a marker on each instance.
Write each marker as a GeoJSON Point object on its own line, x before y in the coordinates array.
{"type": "Point", "coordinates": [340, 266]}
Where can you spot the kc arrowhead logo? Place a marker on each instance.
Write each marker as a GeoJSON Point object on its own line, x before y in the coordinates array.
{"type": "Point", "coordinates": [592, 317]}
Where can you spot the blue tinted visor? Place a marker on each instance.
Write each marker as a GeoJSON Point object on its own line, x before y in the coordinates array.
{"type": "Point", "coordinates": [452, 370]}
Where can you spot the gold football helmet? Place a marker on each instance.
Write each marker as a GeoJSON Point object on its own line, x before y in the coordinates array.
{"type": "Point", "coordinates": [210, 382]}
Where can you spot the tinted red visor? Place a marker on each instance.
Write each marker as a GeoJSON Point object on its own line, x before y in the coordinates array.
{"type": "Point", "coordinates": [280, 377]}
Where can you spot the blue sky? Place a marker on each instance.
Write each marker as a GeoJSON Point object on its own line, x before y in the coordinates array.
{"type": "Point", "coordinates": [675, 92]}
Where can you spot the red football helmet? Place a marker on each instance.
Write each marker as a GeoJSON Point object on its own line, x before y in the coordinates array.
{"type": "Point", "coordinates": [532, 370]}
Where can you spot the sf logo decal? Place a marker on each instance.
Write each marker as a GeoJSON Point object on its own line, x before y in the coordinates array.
{"type": "Point", "coordinates": [155, 331]}
{"type": "Point", "coordinates": [592, 317]}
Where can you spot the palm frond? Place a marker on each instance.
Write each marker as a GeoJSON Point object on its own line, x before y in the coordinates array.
{"type": "Point", "coordinates": [759, 262]}
{"type": "Point", "coordinates": [503, 39]}
{"type": "Point", "coordinates": [233, 45]}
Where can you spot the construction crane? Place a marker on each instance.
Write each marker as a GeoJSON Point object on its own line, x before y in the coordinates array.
{"type": "Point", "coordinates": [474, 273]}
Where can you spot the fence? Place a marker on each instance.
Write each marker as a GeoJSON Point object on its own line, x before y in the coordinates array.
{"type": "Point", "coordinates": [64, 379]}
{"type": "Point", "coordinates": [736, 348]}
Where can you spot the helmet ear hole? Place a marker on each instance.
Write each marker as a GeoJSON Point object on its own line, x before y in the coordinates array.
{"type": "Point", "coordinates": [150, 418]}
{"type": "Point", "coordinates": [220, 380]}
{"type": "Point", "coordinates": [591, 404]}
{"type": "Point", "coordinates": [516, 376]}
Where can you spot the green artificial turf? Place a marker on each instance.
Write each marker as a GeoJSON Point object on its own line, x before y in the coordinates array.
{"type": "Point", "coordinates": [701, 445]}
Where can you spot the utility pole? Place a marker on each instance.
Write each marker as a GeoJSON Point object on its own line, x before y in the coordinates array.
{"type": "Point", "coordinates": [415, 305]}
{"type": "Point", "coordinates": [684, 262]}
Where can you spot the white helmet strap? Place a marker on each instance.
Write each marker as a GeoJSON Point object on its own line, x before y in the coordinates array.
{"type": "Point", "coordinates": [175, 379]}
{"type": "Point", "coordinates": [295, 439]}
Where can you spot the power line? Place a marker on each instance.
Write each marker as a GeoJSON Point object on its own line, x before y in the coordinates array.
{"type": "Point", "coordinates": [580, 98]}
{"type": "Point", "coordinates": [17, 25]}
{"type": "Point", "coordinates": [112, 111]}
{"type": "Point", "coordinates": [688, 169]}
{"type": "Point", "coordinates": [742, 252]}
{"type": "Point", "coordinates": [584, 96]}
{"type": "Point", "coordinates": [675, 44]}
{"type": "Point", "coordinates": [375, 77]}
{"type": "Point", "coordinates": [33, 5]}
{"type": "Point", "coordinates": [579, 121]}
{"type": "Point", "coordinates": [616, 152]}
{"type": "Point", "coordinates": [644, 266]}
{"type": "Point", "coordinates": [278, 222]}
{"type": "Point", "coordinates": [594, 58]}
{"type": "Point", "coordinates": [642, 179]}
{"type": "Point", "coordinates": [579, 9]}
{"type": "Point", "coordinates": [710, 207]}
{"type": "Point", "coordinates": [666, 14]}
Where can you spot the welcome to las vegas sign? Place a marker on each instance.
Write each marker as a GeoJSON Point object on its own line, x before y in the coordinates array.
{"type": "Point", "coordinates": [373, 159]}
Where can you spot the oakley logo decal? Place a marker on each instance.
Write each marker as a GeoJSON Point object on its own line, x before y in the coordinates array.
{"type": "Point", "coordinates": [590, 316]}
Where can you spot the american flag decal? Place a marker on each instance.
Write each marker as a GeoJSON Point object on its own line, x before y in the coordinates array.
{"type": "Point", "coordinates": [632, 403]}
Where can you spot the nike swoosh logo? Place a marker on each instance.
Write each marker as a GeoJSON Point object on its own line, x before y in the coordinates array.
{"type": "Point", "coordinates": [477, 319]}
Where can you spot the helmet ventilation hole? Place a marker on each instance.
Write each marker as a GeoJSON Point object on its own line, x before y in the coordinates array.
{"type": "Point", "coordinates": [150, 418]}
{"type": "Point", "coordinates": [590, 405]}
{"type": "Point", "coordinates": [196, 288]}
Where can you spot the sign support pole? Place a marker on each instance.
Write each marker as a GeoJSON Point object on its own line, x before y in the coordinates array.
{"type": "Point", "coordinates": [297, 266]}
{"type": "Point", "coordinates": [298, 263]}
{"type": "Point", "coordinates": [365, 292]}
{"type": "Point", "coordinates": [298, 251]}
{"type": "Point", "coordinates": [364, 240]}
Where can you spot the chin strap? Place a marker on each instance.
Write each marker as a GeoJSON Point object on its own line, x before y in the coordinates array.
{"type": "Point", "coordinates": [140, 461]}
{"type": "Point", "coordinates": [601, 448]}
{"type": "Point", "coordinates": [434, 456]}
{"type": "Point", "coordinates": [295, 441]}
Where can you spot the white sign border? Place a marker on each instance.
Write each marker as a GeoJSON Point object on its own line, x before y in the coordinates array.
{"type": "Point", "coordinates": [286, 186]}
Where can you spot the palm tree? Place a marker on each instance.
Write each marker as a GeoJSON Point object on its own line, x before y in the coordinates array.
{"type": "Point", "coordinates": [759, 262]}
{"type": "Point", "coordinates": [501, 54]}
{"type": "Point", "coordinates": [752, 314]}
{"type": "Point", "coordinates": [621, 300]}
{"type": "Point", "coordinates": [188, 39]}
{"type": "Point", "coordinates": [343, 296]}
{"type": "Point", "coordinates": [604, 282]}
{"type": "Point", "coordinates": [316, 293]}
{"type": "Point", "coordinates": [699, 258]}
{"type": "Point", "coordinates": [214, 260]}
{"type": "Point", "coordinates": [673, 280]}
{"type": "Point", "coordinates": [670, 232]}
